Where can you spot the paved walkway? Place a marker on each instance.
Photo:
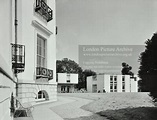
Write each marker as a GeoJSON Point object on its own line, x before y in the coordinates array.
{"type": "Point", "coordinates": [65, 107]}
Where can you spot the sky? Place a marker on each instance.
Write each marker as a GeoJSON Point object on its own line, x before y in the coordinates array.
{"type": "Point", "coordinates": [103, 22]}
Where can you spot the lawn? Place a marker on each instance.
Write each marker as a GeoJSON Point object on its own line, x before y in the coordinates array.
{"type": "Point", "coordinates": [140, 113]}
{"type": "Point", "coordinates": [118, 106]}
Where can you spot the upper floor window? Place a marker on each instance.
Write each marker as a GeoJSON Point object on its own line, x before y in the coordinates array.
{"type": "Point", "coordinates": [115, 78]}
{"type": "Point", "coordinates": [68, 77]}
{"type": "Point", "coordinates": [123, 78]}
{"type": "Point", "coordinates": [41, 51]}
{"type": "Point", "coordinates": [111, 79]}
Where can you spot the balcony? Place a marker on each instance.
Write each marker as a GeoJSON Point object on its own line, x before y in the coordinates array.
{"type": "Point", "coordinates": [18, 58]}
{"type": "Point", "coordinates": [44, 10]}
{"type": "Point", "coordinates": [42, 72]}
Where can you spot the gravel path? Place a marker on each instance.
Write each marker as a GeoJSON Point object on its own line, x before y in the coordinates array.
{"type": "Point", "coordinates": [72, 109]}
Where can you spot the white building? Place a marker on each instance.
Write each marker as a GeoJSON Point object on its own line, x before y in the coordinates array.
{"type": "Point", "coordinates": [36, 47]}
{"type": "Point", "coordinates": [112, 83]}
{"type": "Point", "coordinates": [66, 82]}
{"type": "Point", "coordinates": [7, 81]}
{"type": "Point", "coordinates": [37, 28]}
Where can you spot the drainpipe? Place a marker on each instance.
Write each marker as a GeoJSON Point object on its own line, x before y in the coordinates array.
{"type": "Point", "coordinates": [15, 71]}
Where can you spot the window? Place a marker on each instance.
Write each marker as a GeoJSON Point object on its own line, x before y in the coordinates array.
{"type": "Point", "coordinates": [115, 78]}
{"type": "Point", "coordinates": [68, 77]}
{"type": "Point", "coordinates": [63, 89]}
{"type": "Point", "coordinates": [56, 77]}
{"type": "Point", "coordinates": [111, 78]}
{"type": "Point", "coordinates": [113, 84]}
{"type": "Point", "coordinates": [123, 87]}
{"type": "Point", "coordinates": [41, 51]}
{"type": "Point", "coordinates": [41, 95]}
{"type": "Point", "coordinates": [123, 78]}
{"type": "Point", "coordinates": [123, 83]}
{"type": "Point", "coordinates": [95, 88]}
{"type": "Point", "coordinates": [115, 87]}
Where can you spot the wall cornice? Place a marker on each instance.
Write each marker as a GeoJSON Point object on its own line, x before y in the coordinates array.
{"type": "Point", "coordinates": [39, 26]}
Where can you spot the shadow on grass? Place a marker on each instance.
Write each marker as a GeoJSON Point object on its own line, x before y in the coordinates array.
{"type": "Point", "coordinates": [140, 113]}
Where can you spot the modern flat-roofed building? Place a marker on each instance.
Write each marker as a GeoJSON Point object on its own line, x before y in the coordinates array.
{"type": "Point", "coordinates": [112, 83]}
{"type": "Point", "coordinates": [66, 82]}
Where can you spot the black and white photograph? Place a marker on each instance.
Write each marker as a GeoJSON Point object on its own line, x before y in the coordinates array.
{"type": "Point", "coordinates": [78, 59]}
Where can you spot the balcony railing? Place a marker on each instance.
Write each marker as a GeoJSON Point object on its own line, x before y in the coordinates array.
{"type": "Point", "coordinates": [18, 58]}
{"type": "Point", "coordinates": [42, 72]}
{"type": "Point", "coordinates": [44, 10]}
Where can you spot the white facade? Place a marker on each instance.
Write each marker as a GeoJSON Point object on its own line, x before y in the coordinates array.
{"type": "Point", "coordinates": [37, 32]}
{"type": "Point", "coordinates": [7, 83]}
{"type": "Point", "coordinates": [112, 83]}
{"type": "Point", "coordinates": [38, 36]}
{"type": "Point", "coordinates": [66, 82]}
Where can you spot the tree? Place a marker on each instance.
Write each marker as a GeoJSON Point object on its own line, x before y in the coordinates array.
{"type": "Point", "coordinates": [148, 67]}
{"type": "Point", "coordinates": [126, 70]}
{"type": "Point", "coordinates": [69, 66]}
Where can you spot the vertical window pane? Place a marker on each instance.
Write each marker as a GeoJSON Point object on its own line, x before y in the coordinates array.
{"type": "Point", "coordinates": [44, 52]}
{"type": "Point", "coordinates": [123, 78]}
{"type": "Point", "coordinates": [115, 78]}
{"type": "Point", "coordinates": [111, 86]}
{"type": "Point", "coordinates": [41, 52]}
{"type": "Point", "coordinates": [115, 86]}
{"type": "Point", "coordinates": [42, 62]}
{"type": "Point", "coordinates": [37, 50]}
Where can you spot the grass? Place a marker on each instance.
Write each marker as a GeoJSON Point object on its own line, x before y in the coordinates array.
{"type": "Point", "coordinates": [118, 106]}
{"type": "Point", "coordinates": [140, 113]}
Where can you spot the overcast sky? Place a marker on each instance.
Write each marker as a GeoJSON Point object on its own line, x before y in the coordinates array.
{"type": "Point", "coordinates": [103, 22]}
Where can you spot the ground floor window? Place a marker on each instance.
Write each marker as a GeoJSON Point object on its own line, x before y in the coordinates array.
{"type": "Point", "coordinates": [43, 95]}
{"type": "Point", "coordinates": [123, 83]}
{"type": "Point", "coordinates": [63, 89]}
{"type": "Point", "coordinates": [66, 89]}
{"type": "Point", "coordinates": [94, 88]}
{"type": "Point", "coordinates": [113, 84]}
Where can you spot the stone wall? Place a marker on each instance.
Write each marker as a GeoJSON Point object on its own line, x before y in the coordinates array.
{"type": "Point", "coordinates": [28, 91]}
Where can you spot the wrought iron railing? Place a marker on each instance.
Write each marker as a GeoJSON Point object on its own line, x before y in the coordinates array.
{"type": "Point", "coordinates": [44, 10]}
{"type": "Point", "coordinates": [44, 72]}
{"type": "Point", "coordinates": [18, 57]}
